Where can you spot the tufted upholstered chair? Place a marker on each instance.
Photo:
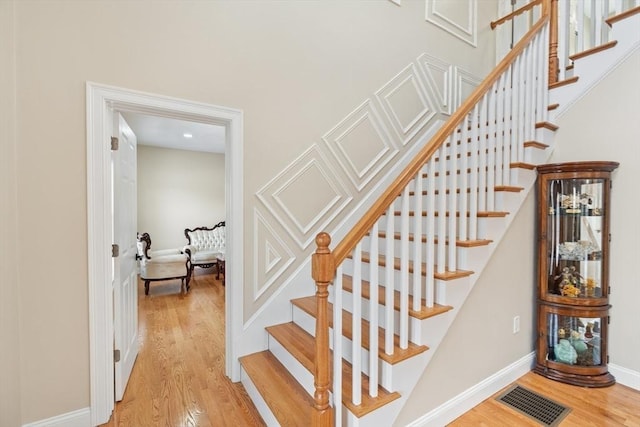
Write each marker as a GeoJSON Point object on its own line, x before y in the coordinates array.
{"type": "Point", "coordinates": [146, 255]}
{"type": "Point", "coordinates": [205, 245]}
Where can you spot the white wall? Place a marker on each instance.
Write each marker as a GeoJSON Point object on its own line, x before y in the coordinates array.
{"type": "Point", "coordinates": [9, 291]}
{"type": "Point", "coordinates": [604, 125]}
{"type": "Point", "coordinates": [178, 189]}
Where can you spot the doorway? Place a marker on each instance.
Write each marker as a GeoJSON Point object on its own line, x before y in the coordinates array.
{"type": "Point", "coordinates": [102, 102]}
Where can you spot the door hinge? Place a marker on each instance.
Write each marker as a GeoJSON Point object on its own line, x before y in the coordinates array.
{"type": "Point", "coordinates": [607, 359]}
{"type": "Point", "coordinates": [115, 250]}
{"type": "Point", "coordinates": [114, 143]}
{"type": "Point", "coordinates": [608, 320]}
{"type": "Point", "coordinates": [116, 355]}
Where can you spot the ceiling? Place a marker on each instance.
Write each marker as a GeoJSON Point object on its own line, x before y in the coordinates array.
{"type": "Point", "coordinates": [169, 133]}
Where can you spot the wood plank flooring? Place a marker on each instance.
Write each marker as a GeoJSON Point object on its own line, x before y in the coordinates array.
{"type": "Point", "coordinates": [590, 407]}
{"type": "Point", "coordinates": [178, 378]}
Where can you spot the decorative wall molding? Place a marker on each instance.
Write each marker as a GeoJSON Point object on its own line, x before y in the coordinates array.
{"type": "Point", "coordinates": [305, 196]}
{"type": "Point", "coordinates": [439, 76]}
{"type": "Point", "coordinates": [464, 84]}
{"type": "Point", "coordinates": [407, 103]}
{"type": "Point", "coordinates": [346, 140]}
{"type": "Point", "coordinates": [463, 24]}
{"type": "Point", "coordinates": [271, 255]}
{"type": "Point", "coordinates": [360, 146]}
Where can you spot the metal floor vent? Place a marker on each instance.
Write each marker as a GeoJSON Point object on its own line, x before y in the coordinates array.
{"type": "Point", "coordinates": [539, 408]}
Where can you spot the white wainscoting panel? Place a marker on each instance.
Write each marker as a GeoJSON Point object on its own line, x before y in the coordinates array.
{"type": "Point", "coordinates": [271, 255]}
{"type": "Point", "coordinates": [458, 18]}
{"type": "Point", "coordinates": [407, 104]}
{"type": "Point", "coordinates": [361, 144]}
{"type": "Point", "coordinates": [305, 196]}
{"type": "Point", "coordinates": [439, 76]}
{"type": "Point", "coordinates": [464, 84]}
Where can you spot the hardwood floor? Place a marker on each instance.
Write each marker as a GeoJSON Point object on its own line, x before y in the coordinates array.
{"type": "Point", "coordinates": [590, 407]}
{"type": "Point", "coordinates": [178, 379]}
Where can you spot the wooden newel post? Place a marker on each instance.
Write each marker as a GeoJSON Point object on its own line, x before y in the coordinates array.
{"type": "Point", "coordinates": [323, 270]}
{"type": "Point", "coordinates": [551, 7]}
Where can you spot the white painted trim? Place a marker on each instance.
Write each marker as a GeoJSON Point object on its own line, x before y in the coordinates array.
{"type": "Point", "coordinates": [102, 100]}
{"type": "Point", "coordinates": [466, 400]}
{"type": "Point", "coordinates": [625, 376]}
{"type": "Point", "coordinates": [79, 418]}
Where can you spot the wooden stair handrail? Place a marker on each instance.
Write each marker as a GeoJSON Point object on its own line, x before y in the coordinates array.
{"type": "Point", "coordinates": [363, 226]}
{"type": "Point", "coordinates": [515, 13]}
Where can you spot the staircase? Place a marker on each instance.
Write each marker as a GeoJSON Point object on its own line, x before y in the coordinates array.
{"type": "Point", "coordinates": [399, 277]}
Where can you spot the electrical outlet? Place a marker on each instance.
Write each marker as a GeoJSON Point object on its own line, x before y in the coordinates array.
{"type": "Point", "coordinates": [516, 324]}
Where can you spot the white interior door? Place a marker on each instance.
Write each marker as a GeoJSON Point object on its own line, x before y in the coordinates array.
{"type": "Point", "coordinates": [125, 293]}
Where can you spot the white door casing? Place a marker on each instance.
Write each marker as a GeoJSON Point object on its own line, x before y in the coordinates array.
{"type": "Point", "coordinates": [101, 101]}
{"type": "Point", "coordinates": [125, 283]}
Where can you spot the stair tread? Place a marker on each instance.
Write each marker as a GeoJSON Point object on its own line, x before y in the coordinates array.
{"type": "Point", "coordinates": [447, 275]}
{"type": "Point", "coordinates": [563, 82]}
{"type": "Point", "coordinates": [308, 305]}
{"type": "Point", "coordinates": [619, 17]}
{"type": "Point", "coordinates": [424, 312]}
{"type": "Point", "coordinates": [461, 243]}
{"type": "Point", "coordinates": [301, 345]}
{"type": "Point", "coordinates": [593, 50]}
{"type": "Point", "coordinates": [536, 144]}
{"type": "Point", "coordinates": [289, 402]}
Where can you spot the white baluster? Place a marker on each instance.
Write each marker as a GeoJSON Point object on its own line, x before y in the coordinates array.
{"type": "Point", "coordinates": [464, 178]}
{"type": "Point", "coordinates": [482, 156]}
{"type": "Point", "coordinates": [430, 253]}
{"type": "Point", "coordinates": [500, 121]}
{"type": "Point", "coordinates": [508, 128]}
{"type": "Point", "coordinates": [521, 105]}
{"type": "Point", "coordinates": [442, 210]}
{"type": "Point", "coordinates": [337, 345]}
{"type": "Point", "coordinates": [389, 282]}
{"type": "Point", "coordinates": [452, 205]}
{"type": "Point", "coordinates": [417, 241]}
{"type": "Point", "coordinates": [404, 269]}
{"type": "Point", "coordinates": [491, 147]}
{"type": "Point", "coordinates": [373, 311]}
{"type": "Point", "coordinates": [565, 38]}
{"type": "Point", "coordinates": [580, 31]}
{"type": "Point", "coordinates": [473, 177]}
{"type": "Point", "coordinates": [356, 316]}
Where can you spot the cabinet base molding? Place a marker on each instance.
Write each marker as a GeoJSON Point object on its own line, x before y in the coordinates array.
{"type": "Point", "coordinates": [602, 380]}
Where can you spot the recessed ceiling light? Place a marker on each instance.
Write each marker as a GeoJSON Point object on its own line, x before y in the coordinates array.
{"type": "Point", "coordinates": [187, 135]}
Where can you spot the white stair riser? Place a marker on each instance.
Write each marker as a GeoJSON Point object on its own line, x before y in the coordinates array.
{"type": "Point", "coordinates": [304, 377]}
{"type": "Point", "coordinates": [258, 401]}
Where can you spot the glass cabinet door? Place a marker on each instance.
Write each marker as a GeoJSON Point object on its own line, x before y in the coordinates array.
{"type": "Point", "coordinates": [575, 340]}
{"type": "Point", "coordinates": [574, 231]}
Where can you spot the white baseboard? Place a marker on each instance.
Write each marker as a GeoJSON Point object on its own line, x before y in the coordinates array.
{"type": "Point", "coordinates": [466, 400]}
{"type": "Point", "coordinates": [79, 418]}
{"type": "Point", "coordinates": [625, 376]}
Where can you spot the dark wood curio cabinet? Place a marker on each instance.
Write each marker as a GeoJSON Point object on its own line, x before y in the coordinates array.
{"type": "Point", "coordinates": [573, 272]}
